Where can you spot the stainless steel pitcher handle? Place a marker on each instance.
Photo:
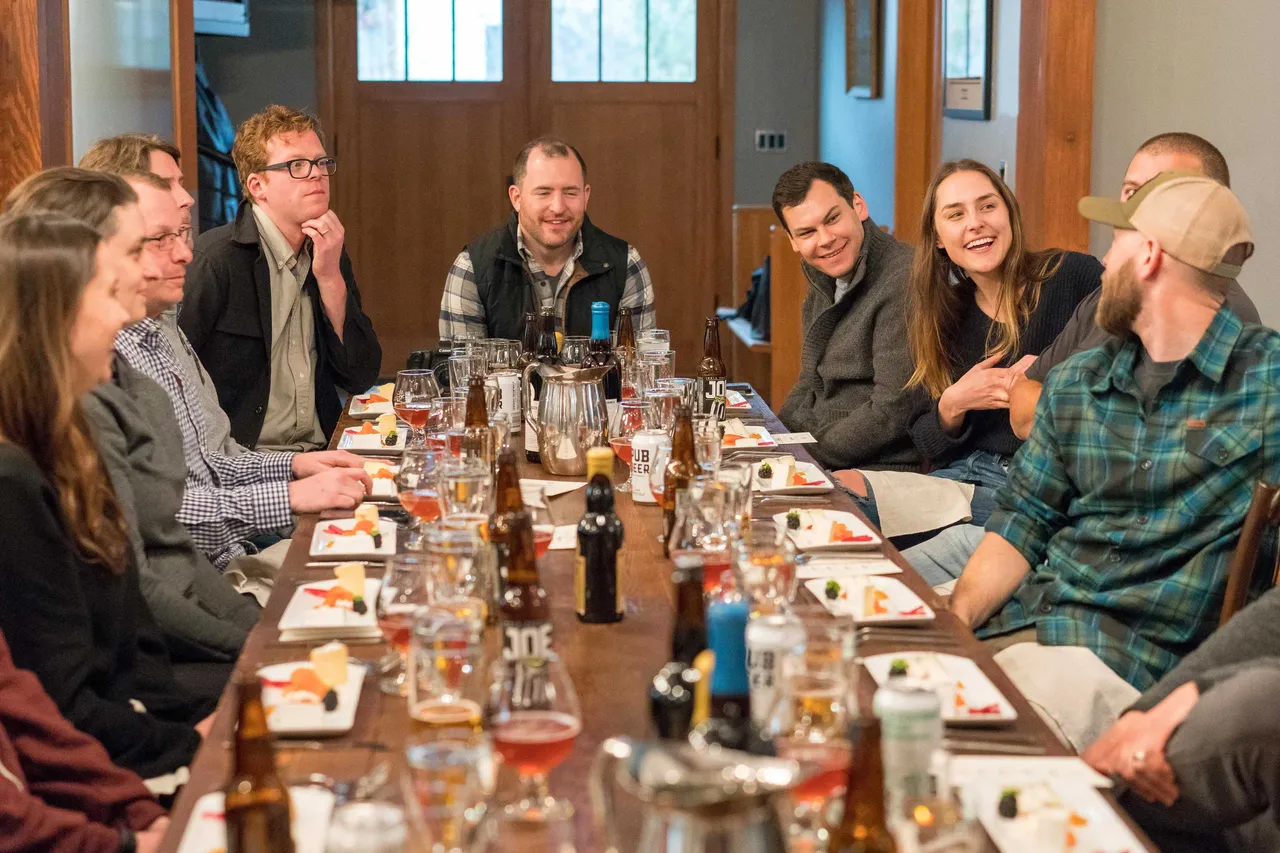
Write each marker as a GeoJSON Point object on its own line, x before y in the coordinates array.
{"type": "Point", "coordinates": [526, 399]}
{"type": "Point", "coordinates": [604, 770]}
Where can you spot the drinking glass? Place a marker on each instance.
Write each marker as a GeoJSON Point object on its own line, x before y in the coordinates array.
{"type": "Point", "coordinates": [367, 826]}
{"type": "Point", "coordinates": [459, 562]}
{"type": "Point", "coordinates": [658, 472]}
{"type": "Point", "coordinates": [534, 720]}
{"type": "Point", "coordinates": [538, 505]}
{"type": "Point", "coordinates": [649, 340]}
{"type": "Point", "coordinates": [684, 387]}
{"type": "Point", "coordinates": [405, 588]}
{"type": "Point", "coordinates": [553, 834]}
{"type": "Point", "coordinates": [658, 365]}
{"type": "Point", "coordinates": [465, 486]}
{"type": "Point", "coordinates": [737, 478]}
{"type": "Point", "coordinates": [448, 682]}
{"type": "Point", "coordinates": [463, 367]}
{"type": "Point", "coordinates": [415, 391]}
{"type": "Point", "coordinates": [635, 378]}
{"type": "Point", "coordinates": [664, 402]}
{"type": "Point", "coordinates": [706, 442]}
{"type": "Point", "coordinates": [444, 792]}
{"type": "Point", "coordinates": [764, 561]}
{"type": "Point", "coordinates": [574, 350]}
{"type": "Point", "coordinates": [416, 484]}
{"type": "Point", "coordinates": [503, 353]}
{"type": "Point", "coordinates": [634, 414]}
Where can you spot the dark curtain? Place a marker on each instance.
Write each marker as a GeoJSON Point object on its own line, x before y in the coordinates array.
{"type": "Point", "coordinates": [219, 184]}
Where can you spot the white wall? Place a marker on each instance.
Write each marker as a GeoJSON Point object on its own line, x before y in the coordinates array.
{"type": "Point", "coordinates": [120, 78]}
{"type": "Point", "coordinates": [776, 89]}
{"type": "Point", "coordinates": [853, 133]}
{"type": "Point", "coordinates": [1210, 69]}
{"type": "Point", "coordinates": [995, 140]}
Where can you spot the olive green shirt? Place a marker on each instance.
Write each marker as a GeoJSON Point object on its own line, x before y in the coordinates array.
{"type": "Point", "coordinates": [291, 421]}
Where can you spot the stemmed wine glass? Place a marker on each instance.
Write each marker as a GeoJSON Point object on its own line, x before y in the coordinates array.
{"type": "Point", "coordinates": [634, 414]}
{"type": "Point", "coordinates": [414, 393]}
{"type": "Point", "coordinates": [416, 484]}
{"type": "Point", "coordinates": [405, 588]}
{"type": "Point", "coordinates": [534, 719]}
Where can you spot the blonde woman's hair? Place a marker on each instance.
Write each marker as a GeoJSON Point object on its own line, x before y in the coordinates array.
{"type": "Point", "coordinates": [936, 304]}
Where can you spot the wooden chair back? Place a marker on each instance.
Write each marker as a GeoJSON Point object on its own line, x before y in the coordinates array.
{"type": "Point", "coordinates": [788, 288]}
{"type": "Point", "coordinates": [1255, 565]}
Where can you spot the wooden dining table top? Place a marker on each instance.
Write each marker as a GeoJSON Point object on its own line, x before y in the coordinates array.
{"type": "Point", "coordinates": [611, 665]}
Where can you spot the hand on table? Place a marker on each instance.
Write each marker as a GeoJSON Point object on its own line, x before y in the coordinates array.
{"type": "Point", "coordinates": [333, 488]}
{"type": "Point", "coordinates": [306, 464]}
{"type": "Point", "coordinates": [1134, 748]}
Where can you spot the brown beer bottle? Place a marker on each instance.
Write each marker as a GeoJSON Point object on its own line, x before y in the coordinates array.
{"type": "Point", "coordinates": [528, 339]}
{"type": "Point", "coordinates": [681, 469]}
{"type": "Point", "coordinates": [626, 343]}
{"type": "Point", "coordinates": [862, 827]}
{"type": "Point", "coordinates": [257, 804]}
{"type": "Point", "coordinates": [507, 502]}
{"type": "Point", "coordinates": [598, 592]}
{"type": "Point", "coordinates": [477, 437]}
{"type": "Point", "coordinates": [547, 352]}
{"type": "Point", "coordinates": [711, 373]}
{"type": "Point", "coordinates": [526, 615]}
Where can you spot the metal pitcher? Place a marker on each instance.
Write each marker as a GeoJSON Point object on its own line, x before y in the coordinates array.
{"type": "Point", "coordinates": [571, 416]}
{"type": "Point", "coordinates": [696, 801]}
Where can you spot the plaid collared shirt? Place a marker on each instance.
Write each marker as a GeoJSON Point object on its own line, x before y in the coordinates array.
{"type": "Point", "coordinates": [462, 313]}
{"type": "Point", "coordinates": [1128, 516]}
{"type": "Point", "coordinates": [228, 499]}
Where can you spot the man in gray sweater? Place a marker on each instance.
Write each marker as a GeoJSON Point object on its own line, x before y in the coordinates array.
{"type": "Point", "coordinates": [854, 361]}
{"type": "Point", "coordinates": [1200, 751]}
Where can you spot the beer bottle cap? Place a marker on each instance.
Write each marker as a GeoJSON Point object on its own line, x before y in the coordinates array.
{"type": "Point", "coordinates": [600, 461]}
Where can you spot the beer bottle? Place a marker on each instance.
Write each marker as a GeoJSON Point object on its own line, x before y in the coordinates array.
{"type": "Point", "coordinates": [507, 502]}
{"type": "Point", "coordinates": [257, 801]}
{"type": "Point", "coordinates": [711, 374]}
{"type": "Point", "coordinates": [599, 594]}
{"type": "Point", "coordinates": [600, 350]}
{"type": "Point", "coordinates": [671, 692]}
{"type": "Point", "coordinates": [681, 469]}
{"type": "Point", "coordinates": [730, 723]}
{"type": "Point", "coordinates": [528, 339]}
{"type": "Point", "coordinates": [526, 615]}
{"type": "Point", "coordinates": [626, 343]}
{"type": "Point", "coordinates": [862, 827]}
{"type": "Point", "coordinates": [477, 437]}
{"type": "Point", "coordinates": [547, 352]}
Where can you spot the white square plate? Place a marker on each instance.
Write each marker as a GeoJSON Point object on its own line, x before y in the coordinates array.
{"type": "Point", "coordinates": [734, 400]}
{"type": "Point", "coordinates": [371, 444]}
{"type": "Point", "coordinates": [306, 611]}
{"type": "Point", "coordinates": [334, 546]}
{"type": "Point", "coordinates": [872, 600]}
{"type": "Point", "coordinates": [813, 482]}
{"type": "Point", "coordinates": [968, 696]}
{"type": "Point", "coordinates": [361, 407]}
{"type": "Point", "coordinates": [206, 831]}
{"type": "Point", "coordinates": [816, 526]}
{"type": "Point", "coordinates": [755, 436]}
{"type": "Point", "coordinates": [384, 487]}
{"type": "Point", "coordinates": [294, 717]}
{"type": "Point", "coordinates": [1091, 820]}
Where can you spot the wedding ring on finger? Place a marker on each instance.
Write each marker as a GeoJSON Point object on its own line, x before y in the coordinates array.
{"type": "Point", "coordinates": [1139, 758]}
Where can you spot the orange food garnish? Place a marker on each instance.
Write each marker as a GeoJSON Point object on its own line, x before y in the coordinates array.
{"type": "Point", "coordinates": [305, 680]}
{"type": "Point", "coordinates": [364, 525]}
{"type": "Point", "coordinates": [1076, 819]}
{"type": "Point", "coordinates": [375, 398]}
{"type": "Point", "coordinates": [878, 601]}
{"type": "Point", "coordinates": [384, 474]}
{"type": "Point", "coordinates": [959, 700]}
{"type": "Point", "coordinates": [733, 438]}
{"type": "Point", "coordinates": [334, 595]}
{"type": "Point", "coordinates": [366, 428]}
{"type": "Point", "coordinates": [839, 533]}
{"type": "Point", "coordinates": [798, 479]}
{"type": "Point", "coordinates": [1071, 838]}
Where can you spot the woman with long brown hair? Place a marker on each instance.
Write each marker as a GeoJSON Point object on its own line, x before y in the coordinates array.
{"type": "Point", "coordinates": [982, 305]}
{"type": "Point", "coordinates": [70, 605]}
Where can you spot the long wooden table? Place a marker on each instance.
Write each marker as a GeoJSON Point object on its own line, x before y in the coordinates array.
{"type": "Point", "coordinates": [610, 664]}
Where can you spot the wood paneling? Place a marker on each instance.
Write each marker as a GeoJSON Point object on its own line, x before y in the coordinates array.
{"type": "Point", "coordinates": [182, 53]}
{"type": "Point", "coordinates": [788, 288]}
{"type": "Point", "coordinates": [1055, 120]}
{"type": "Point", "coordinates": [748, 363]}
{"type": "Point", "coordinates": [918, 105]}
{"type": "Point", "coordinates": [35, 101]}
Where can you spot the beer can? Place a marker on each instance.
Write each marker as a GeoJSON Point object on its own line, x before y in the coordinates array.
{"type": "Point", "coordinates": [644, 447]}
{"type": "Point", "coordinates": [911, 732]}
{"type": "Point", "coordinates": [508, 383]}
{"type": "Point", "coordinates": [775, 648]}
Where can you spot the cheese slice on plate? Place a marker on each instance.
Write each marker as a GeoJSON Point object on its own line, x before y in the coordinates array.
{"type": "Point", "coordinates": [385, 423]}
{"type": "Point", "coordinates": [783, 469]}
{"type": "Point", "coordinates": [330, 662]}
{"type": "Point", "coordinates": [367, 512]}
{"type": "Point", "coordinates": [351, 578]}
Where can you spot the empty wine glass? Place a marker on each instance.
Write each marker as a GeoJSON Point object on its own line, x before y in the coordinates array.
{"type": "Point", "coordinates": [534, 720]}
{"type": "Point", "coordinates": [463, 367]}
{"type": "Point", "coordinates": [405, 588]}
{"type": "Point", "coordinates": [444, 792]}
{"type": "Point", "coordinates": [765, 563]}
{"type": "Point", "coordinates": [574, 349]}
{"type": "Point", "coordinates": [650, 340]}
{"type": "Point", "coordinates": [465, 486]}
{"type": "Point", "coordinates": [706, 442]}
{"type": "Point", "coordinates": [415, 391]}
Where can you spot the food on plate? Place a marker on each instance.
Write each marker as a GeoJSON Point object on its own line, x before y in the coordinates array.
{"type": "Point", "coordinates": [351, 578]}
{"type": "Point", "coordinates": [766, 471]}
{"type": "Point", "coordinates": [898, 666]}
{"type": "Point", "coordinates": [1008, 807]}
{"type": "Point", "coordinates": [841, 533]}
{"type": "Point", "coordinates": [793, 519]}
{"type": "Point", "coordinates": [366, 524]}
{"type": "Point", "coordinates": [379, 471]}
{"type": "Point", "coordinates": [330, 663]}
{"type": "Point", "coordinates": [873, 601]}
{"type": "Point", "coordinates": [385, 423]}
{"type": "Point", "coordinates": [365, 428]}
{"type": "Point", "coordinates": [391, 438]}
{"type": "Point", "coordinates": [314, 684]}
{"type": "Point", "coordinates": [832, 590]}
{"type": "Point", "coordinates": [734, 431]}
{"type": "Point", "coordinates": [381, 394]}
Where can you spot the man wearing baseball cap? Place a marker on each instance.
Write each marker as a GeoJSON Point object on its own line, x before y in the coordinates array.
{"type": "Point", "coordinates": [1105, 561]}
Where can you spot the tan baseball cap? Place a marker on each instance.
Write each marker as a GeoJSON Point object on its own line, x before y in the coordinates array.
{"type": "Point", "coordinates": [1196, 219]}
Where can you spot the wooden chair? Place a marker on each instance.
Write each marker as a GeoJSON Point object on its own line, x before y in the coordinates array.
{"type": "Point", "coordinates": [1254, 569]}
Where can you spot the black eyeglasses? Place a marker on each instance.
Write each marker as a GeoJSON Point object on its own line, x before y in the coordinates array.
{"type": "Point", "coordinates": [165, 242]}
{"type": "Point", "coordinates": [301, 167]}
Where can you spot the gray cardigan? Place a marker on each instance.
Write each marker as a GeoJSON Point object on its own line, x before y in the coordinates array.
{"type": "Point", "coordinates": [202, 616]}
{"type": "Point", "coordinates": [854, 362]}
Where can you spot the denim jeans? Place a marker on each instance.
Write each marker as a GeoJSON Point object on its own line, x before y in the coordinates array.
{"type": "Point", "coordinates": [986, 471]}
{"type": "Point", "coordinates": [943, 558]}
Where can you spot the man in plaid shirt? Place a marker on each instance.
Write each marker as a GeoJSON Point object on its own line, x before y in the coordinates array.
{"type": "Point", "coordinates": [548, 255]}
{"type": "Point", "coordinates": [229, 500]}
{"type": "Point", "coordinates": [1110, 543]}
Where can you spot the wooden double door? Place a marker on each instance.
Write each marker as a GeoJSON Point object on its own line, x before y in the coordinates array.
{"type": "Point", "coordinates": [424, 166]}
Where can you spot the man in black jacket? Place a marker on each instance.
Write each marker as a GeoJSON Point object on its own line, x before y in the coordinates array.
{"type": "Point", "coordinates": [271, 304]}
{"type": "Point", "coordinates": [547, 255]}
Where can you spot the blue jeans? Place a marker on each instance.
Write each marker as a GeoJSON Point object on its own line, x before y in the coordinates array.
{"type": "Point", "coordinates": [986, 471]}
{"type": "Point", "coordinates": [943, 558]}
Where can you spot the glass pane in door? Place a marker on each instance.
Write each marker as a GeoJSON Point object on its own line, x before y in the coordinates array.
{"type": "Point", "coordinates": [673, 41]}
{"type": "Point", "coordinates": [575, 41]}
{"type": "Point", "coordinates": [623, 34]}
{"type": "Point", "coordinates": [478, 40]}
{"type": "Point", "coordinates": [380, 39]}
{"type": "Point", "coordinates": [431, 39]}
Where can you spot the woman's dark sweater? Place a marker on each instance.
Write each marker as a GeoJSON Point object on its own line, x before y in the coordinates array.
{"type": "Point", "coordinates": [1077, 276]}
{"type": "Point", "coordinates": [85, 631]}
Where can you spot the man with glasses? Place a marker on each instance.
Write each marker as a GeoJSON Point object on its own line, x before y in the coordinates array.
{"type": "Point", "coordinates": [271, 305]}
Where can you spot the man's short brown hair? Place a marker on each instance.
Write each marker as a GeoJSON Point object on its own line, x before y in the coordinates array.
{"type": "Point", "coordinates": [250, 148]}
{"type": "Point", "coordinates": [794, 184]}
{"type": "Point", "coordinates": [127, 153]}
{"type": "Point", "coordinates": [550, 147]}
{"type": "Point", "coordinates": [1211, 160]}
{"type": "Point", "coordinates": [88, 196]}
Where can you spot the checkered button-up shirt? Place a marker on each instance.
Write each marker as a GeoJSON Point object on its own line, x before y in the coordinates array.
{"type": "Point", "coordinates": [1129, 515]}
{"type": "Point", "coordinates": [462, 313]}
{"type": "Point", "coordinates": [228, 499]}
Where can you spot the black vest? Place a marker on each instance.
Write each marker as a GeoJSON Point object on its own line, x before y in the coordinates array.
{"type": "Point", "coordinates": [507, 293]}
